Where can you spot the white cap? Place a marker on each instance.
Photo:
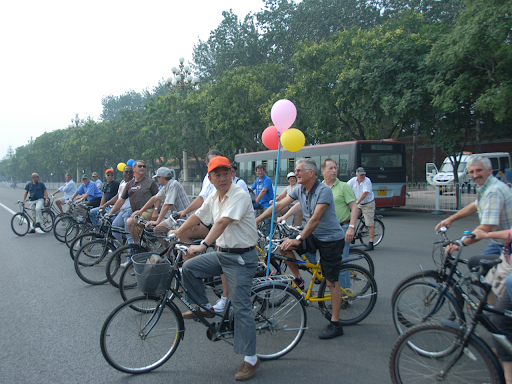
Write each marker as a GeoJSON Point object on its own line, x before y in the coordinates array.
{"type": "Point", "coordinates": [290, 175]}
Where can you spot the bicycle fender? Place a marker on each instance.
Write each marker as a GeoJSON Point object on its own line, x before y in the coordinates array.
{"type": "Point", "coordinates": [349, 259]}
{"type": "Point", "coordinates": [180, 318]}
{"type": "Point", "coordinates": [447, 293]}
{"type": "Point", "coordinates": [453, 325]}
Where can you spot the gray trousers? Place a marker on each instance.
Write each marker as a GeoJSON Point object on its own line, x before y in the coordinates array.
{"type": "Point", "coordinates": [239, 271]}
{"type": "Point", "coordinates": [37, 209]}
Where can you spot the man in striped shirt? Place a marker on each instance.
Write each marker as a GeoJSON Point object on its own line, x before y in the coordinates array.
{"type": "Point", "coordinates": [365, 199]}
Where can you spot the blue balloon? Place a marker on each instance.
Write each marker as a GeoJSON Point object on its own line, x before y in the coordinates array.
{"type": "Point", "coordinates": [130, 162]}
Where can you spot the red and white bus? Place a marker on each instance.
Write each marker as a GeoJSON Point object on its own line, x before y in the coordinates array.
{"type": "Point", "coordinates": [383, 160]}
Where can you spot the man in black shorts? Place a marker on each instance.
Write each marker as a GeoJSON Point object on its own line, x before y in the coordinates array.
{"type": "Point", "coordinates": [322, 232]}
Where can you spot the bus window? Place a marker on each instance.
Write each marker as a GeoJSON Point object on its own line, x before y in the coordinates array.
{"type": "Point", "coordinates": [343, 167]}
{"type": "Point", "coordinates": [377, 160]}
{"type": "Point", "coordinates": [291, 166]}
{"type": "Point", "coordinates": [241, 170]}
{"type": "Point", "coordinates": [270, 168]}
{"type": "Point", "coordinates": [251, 171]}
{"type": "Point", "coordinates": [494, 162]}
{"type": "Point", "coordinates": [504, 163]}
{"type": "Point", "coordinates": [317, 161]}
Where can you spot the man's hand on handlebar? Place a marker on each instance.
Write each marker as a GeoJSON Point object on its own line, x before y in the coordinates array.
{"type": "Point", "coordinates": [151, 223]}
{"type": "Point", "coordinates": [193, 251]}
{"type": "Point", "coordinates": [444, 223]}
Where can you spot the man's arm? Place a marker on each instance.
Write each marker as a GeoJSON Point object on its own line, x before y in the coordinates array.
{"type": "Point", "coordinates": [354, 214]}
{"type": "Point", "coordinates": [262, 193]}
{"type": "Point", "coordinates": [361, 198]}
{"type": "Point", "coordinates": [110, 202]}
{"type": "Point", "coordinates": [161, 216]}
{"type": "Point", "coordinates": [279, 206]}
{"type": "Point", "coordinates": [198, 201]}
{"type": "Point", "coordinates": [292, 211]}
{"type": "Point", "coordinates": [466, 211]}
{"type": "Point", "coordinates": [25, 195]}
{"type": "Point", "coordinates": [146, 206]}
{"type": "Point", "coordinates": [117, 206]}
{"type": "Point", "coordinates": [45, 192]}
{"type": "Point", "coordinates": [217, 229]}
{"type": "Point", "coordinates": [308, 229]}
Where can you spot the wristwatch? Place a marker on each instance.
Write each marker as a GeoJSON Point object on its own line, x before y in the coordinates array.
{"type": "Point", "coordinates": [204, 243]}
{"type": "Point", "coordinates": [299, 237]}
{"type": "Point", "coordinates": [352, 226]}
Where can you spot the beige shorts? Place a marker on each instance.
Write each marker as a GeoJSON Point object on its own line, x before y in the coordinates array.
{"type": "Point", "coordinates": [62, 200]}
{"type": "Point", "coordinates": [368, 211]}
{"type": "Point", "coordinates": [147, 215]}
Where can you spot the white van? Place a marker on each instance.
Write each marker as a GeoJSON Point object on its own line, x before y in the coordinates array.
{"type": "Point", "coordinates": [444, 176]}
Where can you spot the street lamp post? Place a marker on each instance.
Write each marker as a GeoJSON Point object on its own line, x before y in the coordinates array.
{"type": "Point", "coordinates": [182, 76]}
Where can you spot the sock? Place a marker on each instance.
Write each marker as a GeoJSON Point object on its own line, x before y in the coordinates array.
{"type": "Point", "coordinates": [207, 306]}
{"type": "Point", "coordinates": [335, 323]}
{"type": "Point", "coordinates": [223, 298]}
{"type": "Point", "coordinates": [251, 359]}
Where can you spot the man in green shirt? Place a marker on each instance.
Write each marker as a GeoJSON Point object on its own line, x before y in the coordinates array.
{"type": "Point", "coordinates": [345, 206]}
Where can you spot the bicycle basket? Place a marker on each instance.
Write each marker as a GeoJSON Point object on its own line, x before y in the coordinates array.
{"type": "Point", "coordinates": [151, 278]}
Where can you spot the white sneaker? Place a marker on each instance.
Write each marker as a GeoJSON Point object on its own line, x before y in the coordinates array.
{"type": "Point", "coordinates": [124, 265]}
{"type": "Point", "coordinates": [220, 304]}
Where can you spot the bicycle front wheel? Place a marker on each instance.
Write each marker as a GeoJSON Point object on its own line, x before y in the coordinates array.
{"type": "Point", "coordinates": [416, 300]}
{"type": "Point", "coordinates": [79, 242]}
{"type": "Point", "coordinates": [61, 226]}
{"type": "Point", "coordinates": [113, 268]}
{"type": "Point", "coordinates": [357, 300]}
{"type": "Point", "coordinates": [20, 224]}
{"type": "Point", "coordinates": [46, 222]}
{"type": "Point", "coordinates": [141, 334]}
{"type": "Point", "coordinates": [365, 261]}
{"type": "Point", "coordinates": [436, 346]}
{"type": "Point", "coordinates": [76, 230]}
{"type": "Point", "coordinates": [281, 319]}
{"type": "Point", "coordinates": [91, 259]}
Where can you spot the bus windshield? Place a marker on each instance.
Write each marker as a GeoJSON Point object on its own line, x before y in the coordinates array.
{"type": "Point", "coordinates": [381, 160]}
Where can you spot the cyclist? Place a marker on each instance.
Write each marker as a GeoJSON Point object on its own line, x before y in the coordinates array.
{"type": "Point", "coordinates": [345, 206]}
{"type": "Point", "coordinates": [322, 232]}
{"type": "Point", "coordinates": [502, 287]}
{"type": "Point", "coordinates": [38, 196]}
{"type": "Point", "coordinates": [96, 180]}
{"type": "Point", "coordinates": [493, 204]}
{"type": "Point", "coordinates": [235, 234]}
{"type": "Point", "coordinates": [263, 188]}
{"type": "Point", "coordinates": [68, 188]}
{"type": "Point", "coordinates": [90, 194]}
{"type": "Point", "coordinates": [297, 215]}
{"type": "Point", "coordinates": [171, 193]}
{"type": "Point", "coordinates": [363, 191]}
{"type": "Point", "coordinates": [109, 190]}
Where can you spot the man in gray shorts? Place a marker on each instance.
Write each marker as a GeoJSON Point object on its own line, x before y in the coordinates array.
{"type": "Point", "coordinates": [322, 232]}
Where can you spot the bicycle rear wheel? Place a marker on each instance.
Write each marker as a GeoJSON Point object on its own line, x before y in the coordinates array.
{"type": "Point", "coordinates": [281, 319]}
{"type": "Point", "coordinates": [20, 224]}
{"type": "Point", "coordinates": [128, 283]}
{"type": "Point", "coordinates": [379, 233]}
{"type": "Point", "coordinates": [416, 300]}
{"type": "Point", "coordinates": [436, 345]}
{"type": "Point", "coordinates": [366, 261]}
{"type": "Point", "coordinates": [357, 301]}
{"type": "Point", "coordinates": [113, 268]}
{"type": "Point", "coordinates": [76, 230]}
{"type": "Point", "coordinates": [61, 226]}
{"type": "Point", "coordinates": [91, 259]}
{"type": "Point", "coordinates": [79, 242]}
{"type": "Point", "coordinates": [140, 340]}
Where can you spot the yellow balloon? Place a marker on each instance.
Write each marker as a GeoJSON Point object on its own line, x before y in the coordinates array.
{"type": "Point", "coordinates": [121, 166]}
{"type": "Point", "coordinates": [292, 139]}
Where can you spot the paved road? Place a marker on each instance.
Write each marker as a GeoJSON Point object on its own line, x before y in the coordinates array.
{"type": "Point", "coordinates": [51, 320]}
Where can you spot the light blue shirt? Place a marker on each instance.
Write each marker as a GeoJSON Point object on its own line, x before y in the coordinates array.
{"type": "Point", "coordinates": [90, 189]}
{"type": "Point", "coordinates": [69, 189]}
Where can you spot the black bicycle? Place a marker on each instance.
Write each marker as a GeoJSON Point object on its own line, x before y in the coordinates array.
{"type": "Point", "coordinates": [448, 351]}
{"type": "Point", "coordinates": [362, 232]}
{"type": "Point", "coordinates": [22, 221]}
{"type": "Point", "coordinates": [143, 333]}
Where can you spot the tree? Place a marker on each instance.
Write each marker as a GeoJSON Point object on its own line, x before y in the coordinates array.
{"type": "Point", "coordinates": [433, 11]}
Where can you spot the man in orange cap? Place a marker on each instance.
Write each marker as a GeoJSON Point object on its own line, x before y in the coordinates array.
{"type": "Point", "coordinates": [234, 232]}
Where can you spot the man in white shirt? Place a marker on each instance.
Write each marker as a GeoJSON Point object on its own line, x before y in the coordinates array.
{"type": "Point", "coordinates": [235, 234]}
{"type": "Point", "coordinates": [365, 199]}
{"type": "Point", "coordinates": [69, 188]}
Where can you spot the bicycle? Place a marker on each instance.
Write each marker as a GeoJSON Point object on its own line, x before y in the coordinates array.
{"type": "Point", "coordinates": [357, 301]}
{"type": "Point", "coordinates": [434, 294]}
{"type": "Point", "coordinates": [21, 221]}
{"type": "Point", "coordinates": [144, 332]}
{"type": "Point", "coordinates": [63, 221]}
{"type": "Point", "coordinates": [362, 232]}
{"type": "Point", "coordinates": [448, 351]}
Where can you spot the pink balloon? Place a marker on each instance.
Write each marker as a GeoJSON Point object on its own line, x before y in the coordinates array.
{"type": "Point", "coordinates": [270, 137]}
{"type": "Point", "coordinates": [283, 114]}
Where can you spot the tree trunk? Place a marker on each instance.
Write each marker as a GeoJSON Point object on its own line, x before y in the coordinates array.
{"type": "Point", "coordinates": [415, 151]}
{"type": "Point", "coordinates": [478, 144]}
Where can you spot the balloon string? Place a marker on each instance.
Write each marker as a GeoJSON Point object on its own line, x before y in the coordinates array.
{"type": "Point", "coordinates": [274, 205]}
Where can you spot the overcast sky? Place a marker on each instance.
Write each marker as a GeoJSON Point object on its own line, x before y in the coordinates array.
{"type": "Point", "coordinates": [59, 58]}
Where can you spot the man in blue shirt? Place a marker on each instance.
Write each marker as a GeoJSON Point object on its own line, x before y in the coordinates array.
{"type": "Point", "coordinates": [69, 188]}
{"type": "Point", "coordinates": [90, 193]}
{"type": "Point", "coordinates": [263, 188]}
{"type": "Point", "coordinates": [38, 196]}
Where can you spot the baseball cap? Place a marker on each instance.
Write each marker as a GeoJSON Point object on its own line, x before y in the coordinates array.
{"type": "Point", "coordinates": [291, 174]}
{"type": "Point", "coordinates": [219, 161]}
{"type": "Point", "coordinates": [95, 174]}
{"type": "Point", "coordinates": [85, 176]}
{"type": "Point", "coordinates": [360, 171]}
{"type": "Point", "coordinates": [164, 172]}
{"type": "Point", "coordinates": [108, 170]}
{"type": "Point", "coordinates": [234, 166]}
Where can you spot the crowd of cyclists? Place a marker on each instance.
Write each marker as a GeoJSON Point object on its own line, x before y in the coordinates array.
{"type": "Point", "coordinates": [223, 216]}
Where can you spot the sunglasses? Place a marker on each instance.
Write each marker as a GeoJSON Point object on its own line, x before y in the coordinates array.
{"type": "Point", "coordinates": [141, 166]}
{"type": "Point", "coordinates": [110, 174]}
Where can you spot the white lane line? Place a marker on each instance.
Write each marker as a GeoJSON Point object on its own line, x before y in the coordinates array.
{"type": "Point", "coordinates": [13, 213]}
